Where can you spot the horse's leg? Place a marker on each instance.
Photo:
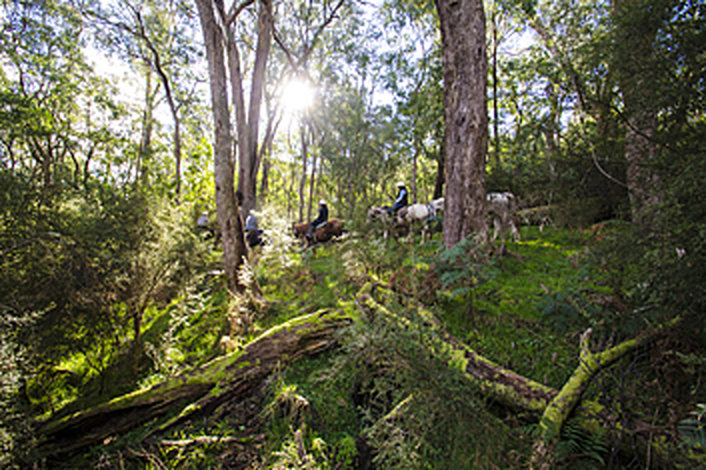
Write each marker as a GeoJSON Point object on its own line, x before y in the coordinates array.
{"type": "Point", "coordinates": [497, 225]}
{"type": "Point", "coordinates": [515, 232]}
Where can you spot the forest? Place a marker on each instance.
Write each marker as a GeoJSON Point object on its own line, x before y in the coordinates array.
{"type": "Point", "coordinates": [537, 301]}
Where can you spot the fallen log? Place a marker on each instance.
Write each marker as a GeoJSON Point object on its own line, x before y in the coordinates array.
{"type": "Point", "coordinates": [239, 374]}
{"type": "Point", "coordinates": [498, 383]}
{"type": "Point", "coordinates": [198, 391]}
{"type": "Point", "coordinates": [557, 411]}
{"type": "Point", "coordinates": [549, 406]}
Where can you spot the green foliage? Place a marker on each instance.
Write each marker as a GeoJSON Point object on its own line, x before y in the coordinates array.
{"type": "Point", "coordinates": [91, 256]}
{"type": "Point", "coordinates": [693, 430]}
{"type": "Point", "coordinates": [307, 399]}
{"type": "Point", "coordinates": [461, 268]}
{"type": "Point", "coordinates": [15, 427]}
{"type": "Point", "coordinates": [187, 332]}
{"type": "Point", "coordinates": [418, 412]}
{"type": "Point", "coordinates": [579, 449]}
{"type": "Point", "coordinates": [567, 311]}
{"type": "Point", "coordinates": [504, 320]}
{"type": "Point", "coordinates": [107, 256]}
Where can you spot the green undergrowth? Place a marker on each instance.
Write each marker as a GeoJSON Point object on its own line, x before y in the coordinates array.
{"type": "Point", "coordinates": [317, 280]}
{"type": "Point", "coordinates": [528, 312]}
{"type": "Point", "coordinates": [178, 336]}
{"type": "Point", "coordinates": [386, 396]}
{"type": "Point", "coordinates": [498, 306]}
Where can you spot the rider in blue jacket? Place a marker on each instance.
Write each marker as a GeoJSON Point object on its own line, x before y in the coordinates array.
{"type": "Point", "coordinates": [400, 201]}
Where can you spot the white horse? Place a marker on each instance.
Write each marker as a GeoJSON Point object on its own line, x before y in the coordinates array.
{"type": "Point", "coordinates": [420, 213]}
{"type": "Point", "coordinates": [380, 214]}
{"type": "Point", "coordinates": [406, 217]}
{"type": "Point", "coordinates": [502, 207]}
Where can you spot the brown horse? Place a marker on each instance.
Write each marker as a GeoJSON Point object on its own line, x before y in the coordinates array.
{"type": "Point", "coordinates": [332, 228]}
{"type": "Point", "coordinates": [299, 230]}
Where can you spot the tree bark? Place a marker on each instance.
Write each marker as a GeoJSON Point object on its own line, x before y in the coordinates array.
{"type": "Point", "coordinates": [496, 135]}
{"type": "Point", "coordinates": [466, 118]}
{"type": "Point", "coordinates": [248, 124]}
{"type": "Point", "coordinates": [440, 173]}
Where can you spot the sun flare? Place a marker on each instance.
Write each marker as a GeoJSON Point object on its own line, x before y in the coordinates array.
{"type": "Point", "coordinates": [297, 95]}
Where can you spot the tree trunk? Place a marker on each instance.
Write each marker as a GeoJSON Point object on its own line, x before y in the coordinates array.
{"type": "Point", "coordinates": [312, 182]}
{"type": "Point", "coordinates": [229, 220]}
{"type": "Point", "coordinates": [466, 118]}
{"type": "Point", "coordinates": [248, 125]}
{"type": "Point", "coordinates": [302, 180]}
{"type": "Point", "coordinates": [637, 27]}
{"type": "Point", "coordinates": [414, 174]}
{"type": "Point", "coordinates": [147, 126]}
{"type": "Point", "coordinates": [274, 118]}
{"type": "Point", "coordinates": [496, 134]}
{"type": "Point", "coordinates": [440, 174]}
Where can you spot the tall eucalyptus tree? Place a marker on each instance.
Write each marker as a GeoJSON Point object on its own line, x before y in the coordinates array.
{"type": "Point", "coordinates": [236, 36]}
{"type": "Point", "coordinates": [214, 24]}
{"type": "Point", "coordinates": [465, 66]}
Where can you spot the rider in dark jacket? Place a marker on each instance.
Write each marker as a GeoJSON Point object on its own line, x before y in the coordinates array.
{"type": "Point", "coordinates": [400, 201]}
{"type": "Point", "coordinates": [320, 219]}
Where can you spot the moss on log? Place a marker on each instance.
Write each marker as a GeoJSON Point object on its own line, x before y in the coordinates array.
{"type": "Point", "coordinates": [557, 411]}
{"type": "Point", "coordinates": [238, 374]}
{"type": "Point", "coordinates": [498, 383]}
{"type": "Point", "coordinates": [199, 390]}
{"type": "Point", "coordinates": [550, 406]}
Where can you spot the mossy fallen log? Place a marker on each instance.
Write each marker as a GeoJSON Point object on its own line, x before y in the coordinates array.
{"type": "Point", "coordinates": [549, 406]}
{"type": "Point", "coordinates": [198, 391]}
{"type": "Point", "coordinates": [239, 374]}
{"type": "Point", "coordinates": [498, 383]}
{"type": "Point", "coordinates": [557, 411]}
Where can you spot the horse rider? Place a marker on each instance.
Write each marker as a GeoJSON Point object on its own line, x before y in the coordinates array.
{"type": "Point", "coordinates": [400, 201]}
{"type": "Point", "coordinates": [253, 234]}
{"type": "Point", "coordinates": [320, 219]}
{"type": "Point", "coordinates": [203, 225]}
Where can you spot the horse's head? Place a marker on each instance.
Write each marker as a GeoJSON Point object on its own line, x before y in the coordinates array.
{"type": "Point", "coordinates": [299, 230]}
{"type": "Point", "coordinates": [376, 213]}
{"type": "Point", "coordinates": [437, 204]}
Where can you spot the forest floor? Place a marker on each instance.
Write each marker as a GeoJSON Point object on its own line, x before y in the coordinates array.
{"type": "Point", "coordinates": [383, 397]}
